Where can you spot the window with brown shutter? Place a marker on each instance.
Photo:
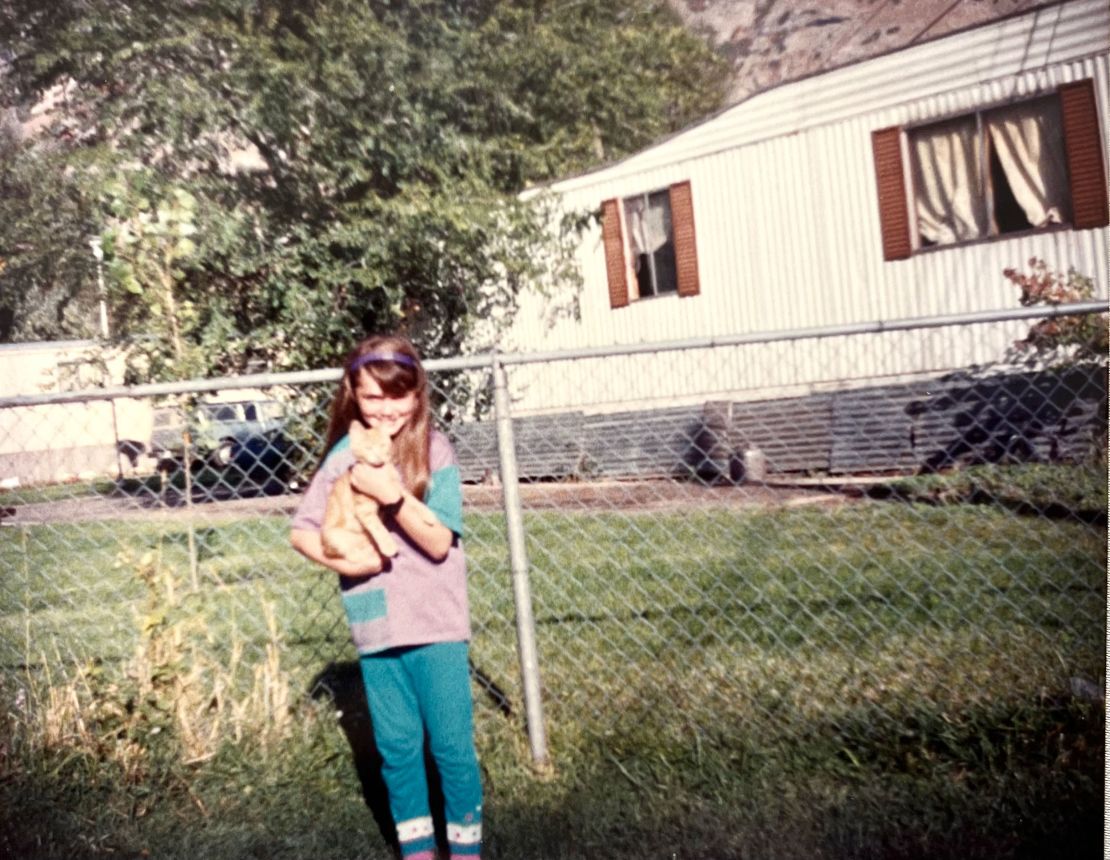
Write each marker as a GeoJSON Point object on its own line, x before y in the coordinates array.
{"type": "Point", "coordinates": [615, 267]}
{"type": "Point", "coordinates": [650, 246]}
{"type": "Point", "coordinates": [685, 244]}
{"type": "Point", "coordinates": [1083, 147]}
{"type": "Point", "coordinates": [894, 217]}
{"type": "Point", "coordinates": [1030, 165]}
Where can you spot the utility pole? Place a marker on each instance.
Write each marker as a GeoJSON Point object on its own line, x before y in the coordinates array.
{"type": "Point", "coordinates": [98, 253]}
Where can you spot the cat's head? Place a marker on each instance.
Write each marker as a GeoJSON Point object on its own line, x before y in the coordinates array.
{"type": "Point", "coordinates": [369, 444]}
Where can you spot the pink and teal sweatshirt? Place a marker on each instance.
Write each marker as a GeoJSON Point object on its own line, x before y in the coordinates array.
{"type": "Point", "coordinates": [414, 601]}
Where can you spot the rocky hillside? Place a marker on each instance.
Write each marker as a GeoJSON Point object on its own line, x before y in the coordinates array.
{"type": "Point", "coordinates": [772, 41]}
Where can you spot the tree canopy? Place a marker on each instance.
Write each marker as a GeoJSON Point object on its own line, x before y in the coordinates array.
{"type": "Point", "coordinates": [270, 178]}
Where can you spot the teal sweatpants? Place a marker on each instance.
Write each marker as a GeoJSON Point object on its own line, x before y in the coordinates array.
{"type": "Point", "coordinates": [415, 690]}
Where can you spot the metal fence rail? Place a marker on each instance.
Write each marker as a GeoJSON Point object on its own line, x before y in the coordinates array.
{"type": "Point", "coordinates": [792, 558]}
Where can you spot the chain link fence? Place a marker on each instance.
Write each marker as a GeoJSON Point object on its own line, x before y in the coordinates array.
{"type": "Point", "coordinates": [720, 556]}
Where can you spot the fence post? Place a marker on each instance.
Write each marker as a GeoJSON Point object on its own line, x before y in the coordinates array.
{"type": "Point", "coordinates": [518, 561]}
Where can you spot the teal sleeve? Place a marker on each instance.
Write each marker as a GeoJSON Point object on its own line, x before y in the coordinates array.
{"type": "Point", "coordinates": [342, 445]}
{"type": "Point", "coordinates": [444, 497]}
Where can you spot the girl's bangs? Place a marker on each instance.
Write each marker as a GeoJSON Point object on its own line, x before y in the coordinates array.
{"type": "Point", "coordinates": [396, 380]}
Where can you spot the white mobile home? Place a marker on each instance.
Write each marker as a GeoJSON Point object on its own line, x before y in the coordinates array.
{"type": "Point", "coordinates": [897, 187]}
{"type": "Point", "coordinates": [62, 441]}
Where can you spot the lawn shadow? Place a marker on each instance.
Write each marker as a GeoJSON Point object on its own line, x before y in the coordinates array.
{"type": "Point", "coordinates": [1004, 781]}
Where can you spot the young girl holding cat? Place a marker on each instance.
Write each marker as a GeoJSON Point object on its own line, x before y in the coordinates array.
{"type": "Point", "coordinates": [410, 622]}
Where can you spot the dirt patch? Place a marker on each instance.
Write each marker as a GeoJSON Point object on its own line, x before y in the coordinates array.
{"type": "Point", "coordinates": [94, 508]}
{"type": "Point", "coordinates": [658, 495]}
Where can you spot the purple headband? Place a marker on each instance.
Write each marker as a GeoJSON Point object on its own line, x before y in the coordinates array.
{"type": "Point", "coordinates": [398, 357]}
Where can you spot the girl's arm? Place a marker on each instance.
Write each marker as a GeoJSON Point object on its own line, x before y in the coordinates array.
{"type": "Point", "coordinates": [412, 515]}
{"type": "Point", "coordinates": [307, 522]}
{"type": "Point", "coordinates": [307, 543]}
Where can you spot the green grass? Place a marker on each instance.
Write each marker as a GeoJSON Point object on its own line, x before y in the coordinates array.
{"type": "Point", "coordinates": [879, 680]}
{"type": "Point", "coordinates": [204, 478]}
{"type": "Point", "coordinates": [1034, 488]}
{"type": "Point", "coordinates": [33, 494]}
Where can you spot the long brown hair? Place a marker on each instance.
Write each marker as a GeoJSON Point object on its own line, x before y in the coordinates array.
{"type": "Point", "coordinates": [396, 378]}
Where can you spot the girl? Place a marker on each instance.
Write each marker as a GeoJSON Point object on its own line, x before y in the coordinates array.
{"type": "Point", "coordinates": [410, 622]}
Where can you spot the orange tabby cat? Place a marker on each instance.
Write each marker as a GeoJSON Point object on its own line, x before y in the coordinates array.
{"type": "Point", "coordinates": [353, 528]}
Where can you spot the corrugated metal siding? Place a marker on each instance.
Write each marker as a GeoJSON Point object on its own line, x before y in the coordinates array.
{"type": "Point", "coordinates": [872, 431]}
{"type": "Point", "coordinates": [547, 446]}
{"type": "Point", "coordinates": [1046, 415]}
{"type": "Point", "coordinates": [928, 424]}
{"type": "Point", "coordinates": [787, 217]}
{"type": "Point", "coordinates": [476, 448]}
{"type": "Point", "coordinates": [1058, 34]}
{"type": "Point", "coordinates": [644, 443]}
{"type": "Point", "coordinates": [794, 433]}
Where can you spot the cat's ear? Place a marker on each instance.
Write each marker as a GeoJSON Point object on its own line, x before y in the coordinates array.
{"type": "Point", "coordinates": [356, 430]}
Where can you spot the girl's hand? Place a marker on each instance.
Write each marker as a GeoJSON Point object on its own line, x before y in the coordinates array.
{"type": "Point", "coordinates": [380, 482]}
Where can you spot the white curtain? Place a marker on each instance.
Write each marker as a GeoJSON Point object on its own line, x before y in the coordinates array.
{"type": "Point", "coordinates": [948, 182]}
{"type": "Point", "coordinates": [1029, 142]}
{"type": "Point", "coordinates": [648, 225]}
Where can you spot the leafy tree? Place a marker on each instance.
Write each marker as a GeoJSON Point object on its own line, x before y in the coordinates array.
{"type": "Point", "coordinates": [386, 145]}
{"type": "Point", "coordinates": [47, 274]}
{"type": "Point", "coordinates": [150, 244]}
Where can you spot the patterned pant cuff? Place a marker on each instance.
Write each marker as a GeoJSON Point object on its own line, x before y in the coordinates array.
{"type": "Point", "coordinates": [465, 840]}
{"type": "Point", "coordinates": [417, 838]}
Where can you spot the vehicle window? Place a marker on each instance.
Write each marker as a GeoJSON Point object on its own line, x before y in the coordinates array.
{"type": "Point", "coordinates": [226, 412]}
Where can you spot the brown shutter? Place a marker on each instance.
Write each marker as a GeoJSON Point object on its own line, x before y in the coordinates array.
{"type": "Point", "coordinates": [685, 243]}
{"type": "Point", "coordinates": [1082, 145]}
{"type": "Point", "coordinates": [894, 216]}
{"type": "Point", "coordinates": [615, 266]}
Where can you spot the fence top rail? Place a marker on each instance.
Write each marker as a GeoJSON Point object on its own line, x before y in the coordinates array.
{"type": "Point", "coordinates": [813, 333]}
{"type": "Point", "coordinates": [474, 362]}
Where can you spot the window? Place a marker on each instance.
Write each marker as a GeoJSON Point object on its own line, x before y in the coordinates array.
{"type": "Point", "coordinates": [221, 412]}
{"type": "Point", "coordinates": [649, 244]}
{"type": "Point", "coordinates": [1026, 166]}
{"type": "Point", "coordinates": [989, 173]}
